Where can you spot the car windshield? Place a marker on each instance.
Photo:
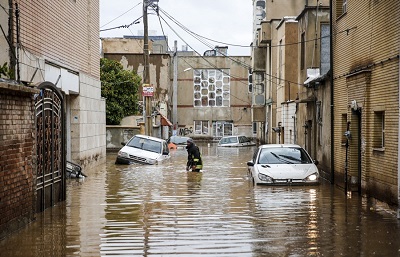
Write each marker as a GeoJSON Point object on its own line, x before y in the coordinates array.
{"type": "Point", "coordinates": [229, 140]}
{"type": "Point", "coordinates": [145, 144]}
{"type": "Point", "coordinates": [283, 155]}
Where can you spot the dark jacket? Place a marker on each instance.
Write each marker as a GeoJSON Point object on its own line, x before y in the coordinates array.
{"type": "Point", "coordinates": [194, 157]}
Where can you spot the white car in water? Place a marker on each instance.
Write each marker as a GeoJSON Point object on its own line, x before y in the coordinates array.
{"type": "Point", "coordinates": [283, 164]}
{"type": "Point", "coordinates": [143, 149]}
{"type": "Point", "coordinates": [235, 141]}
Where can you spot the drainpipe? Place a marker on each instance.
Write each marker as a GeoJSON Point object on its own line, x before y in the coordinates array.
{"type": "Point", "coordinates": [332, 109]}
{"type": "Point", "coordinates": [398, 157]}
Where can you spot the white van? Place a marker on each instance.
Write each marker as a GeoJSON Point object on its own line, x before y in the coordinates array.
{"type": "Point", "coordinates": [143, 149]}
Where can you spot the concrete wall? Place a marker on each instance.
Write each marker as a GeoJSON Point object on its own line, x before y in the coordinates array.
{"type": "Point", "coordinates": [120, 134]}
{"type": "Point", "coordinates": [88, 121]}
{"type": "Point", "coordinates": [17, 158]}
{"type": "Point", "coordinates": [4, 51]}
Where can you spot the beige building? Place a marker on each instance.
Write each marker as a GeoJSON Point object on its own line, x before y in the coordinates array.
{"type": "Point", "coordinates": [366, 38]}
{"type": "Point", "coordinates": [314, 99]}
{"type": "Point", "coordinates": [277, 57]}
{"type": "Point", "coordinates": [212, 96]}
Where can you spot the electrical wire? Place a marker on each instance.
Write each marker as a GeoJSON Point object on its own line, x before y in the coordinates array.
{"type": "Point", "coordinates": [120, 15]}
{"type": "Point", "coordinates": [124, 26]}
{"type": "Point", "coordinates": [5, 9]}
{"type": "Point", "coordinates": [236, 60]}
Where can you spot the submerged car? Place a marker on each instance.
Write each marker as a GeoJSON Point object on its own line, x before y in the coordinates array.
{"type": "Point", "coordinates": [143, 149]}
{"type": "Point", "coordinates": [283, 164]}
{"type": "Point", "coordinates": [175, 142]}
{"type": "Point", "coordinates": [235, 141]}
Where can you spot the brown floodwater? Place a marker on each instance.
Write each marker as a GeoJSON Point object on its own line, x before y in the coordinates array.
{"type": "Point", "coordinates": [162, 210]}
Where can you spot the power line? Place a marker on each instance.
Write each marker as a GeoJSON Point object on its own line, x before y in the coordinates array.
{"type": "Point", "coordinates": [120, 15]}
{"type": "Point", "coordinates": [124, 26]}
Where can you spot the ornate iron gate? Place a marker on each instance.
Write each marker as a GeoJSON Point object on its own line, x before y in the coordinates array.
{"type": "Point", "coordinates": [50, 186]}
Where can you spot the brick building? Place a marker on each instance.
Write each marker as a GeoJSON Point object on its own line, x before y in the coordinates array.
{"type": "Point", "coordinates": [366, 36]}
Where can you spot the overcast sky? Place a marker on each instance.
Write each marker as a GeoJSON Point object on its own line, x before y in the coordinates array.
{"type": "Point", "coordinates": [224, 21]}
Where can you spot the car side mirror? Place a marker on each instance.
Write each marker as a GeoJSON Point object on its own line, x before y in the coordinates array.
{"type": "Point", "coordinates": [316, 162]}
{"type": "Point", "coordinates": [250, 163]}
{"type": "Point", "coordinates": [122, 143]}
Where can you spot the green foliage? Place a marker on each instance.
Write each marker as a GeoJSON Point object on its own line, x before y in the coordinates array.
{"type": "Point", "coordinates": [5, 71]}
{"type": "Point", "coordinates": [120, 88]}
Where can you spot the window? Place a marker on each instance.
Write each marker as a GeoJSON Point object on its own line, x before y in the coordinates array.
{"type": "Point", "coordinates": [344, 128]}
{"type": "Point", "coordinates": [344, 6]}
{"type": "Point", "coordinates": [319, 122]}
{"type": "Point", "coordinates": [254, 128]}
{"type": "Point", "coordinates": [379, 130]}
{"type": "Point", "coordinates": [259, 86]}
{"type": "Point", "coordinates": [250, 75]}
{"type": "Point", "coordinates": [201, 127]}
{"type": "Point", "coordinates": [341, 7]}
{"type": "Point", "coordinates": [280, 62]}
{"type": "Point", "coordinates": [211, 88]}
{"type": "Point", "coordinates": [302, 50]}
{"type": "Point", "coordinates": [222, 128]}
{"type": "Point", "coordinates": [325, 49]}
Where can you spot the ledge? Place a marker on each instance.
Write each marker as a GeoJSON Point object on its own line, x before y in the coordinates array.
{"type": "Point", "coordinates": [12, 86]}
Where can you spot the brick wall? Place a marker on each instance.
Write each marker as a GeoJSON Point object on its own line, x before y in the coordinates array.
{"type": "Point", "coordinates": [17, 153]}
{"type": "Point", "coordinates": [367, 71]}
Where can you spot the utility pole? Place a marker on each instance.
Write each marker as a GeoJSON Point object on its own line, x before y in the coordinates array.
{"type": "Point", "coordinates": [175, 88]}
{"type": "Point", "coordinates": [147, 89]}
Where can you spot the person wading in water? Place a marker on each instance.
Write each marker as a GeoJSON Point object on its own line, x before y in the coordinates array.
{"type": "Point", "coordinates": [194, 162]}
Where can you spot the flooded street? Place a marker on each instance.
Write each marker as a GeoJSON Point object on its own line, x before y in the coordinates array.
{"type": "Point", "coordinates": [162, 210]}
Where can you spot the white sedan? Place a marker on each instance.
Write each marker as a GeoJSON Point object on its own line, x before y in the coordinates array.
{"type": "Point", "coordinates": [283, 164]}
{"type": "Point", "coordinates": [143, 149]}
{"type": "Point", "coordinates": [235, 141]}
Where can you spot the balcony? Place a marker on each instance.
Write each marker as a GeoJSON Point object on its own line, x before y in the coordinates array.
{"type": "Point", "coordinates": [265, 34]}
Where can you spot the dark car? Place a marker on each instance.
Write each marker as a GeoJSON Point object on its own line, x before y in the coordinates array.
{"type": "Point", "coordinates": [177, 142]}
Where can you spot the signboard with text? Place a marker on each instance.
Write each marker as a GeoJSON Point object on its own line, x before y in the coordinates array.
{"type": "Point", "coordinates": [148, 90]}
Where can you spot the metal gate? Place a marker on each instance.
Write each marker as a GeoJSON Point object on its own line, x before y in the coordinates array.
{"type": "Point", "coordinates": [50, 186]}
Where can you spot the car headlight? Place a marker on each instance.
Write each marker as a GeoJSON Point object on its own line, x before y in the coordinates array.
{"type": "Point", "coordinates": [123, 154]}
{"type": "Point", "coordinates": [151, 161]}
{"type": "Point", "coordinates": [265, 178]}
{"type": "Point", "coordinates": [312, 177]}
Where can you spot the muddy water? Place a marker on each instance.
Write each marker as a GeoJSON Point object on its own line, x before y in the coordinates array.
{"type": "Point", "coordinates": [163, 210]}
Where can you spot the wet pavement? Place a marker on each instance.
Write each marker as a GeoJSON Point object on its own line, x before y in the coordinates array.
{"type": "Point", "coordinates": [162, 210]}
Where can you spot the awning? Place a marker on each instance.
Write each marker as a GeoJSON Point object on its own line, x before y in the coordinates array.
{"type": "Point", "coordinates": [164, 120]}
{"type": "Point", "coordinates": [307, 99]}
{"type": "Point", "coordinates": [309, 79]}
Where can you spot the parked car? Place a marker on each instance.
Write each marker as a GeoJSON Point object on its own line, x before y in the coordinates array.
{"type": "Point", "coordinates": [177, 142]}
{"type": "Point", "coordinates": [235, 141]}
{"type": "Point", "coordinates": [143, 149]}
{"type": "Point", "coordinates": [283, 164]}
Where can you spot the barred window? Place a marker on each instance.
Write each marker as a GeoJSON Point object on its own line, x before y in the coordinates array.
{"type": "Point", "coordinates": [211, 87]}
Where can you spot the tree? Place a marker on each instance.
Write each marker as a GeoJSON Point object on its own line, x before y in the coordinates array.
{"type": "Point", "coordinates": [120, 88]}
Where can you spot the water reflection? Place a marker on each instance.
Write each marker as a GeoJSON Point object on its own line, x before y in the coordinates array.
{"type": "Point", "coordinates": [163, 210]}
